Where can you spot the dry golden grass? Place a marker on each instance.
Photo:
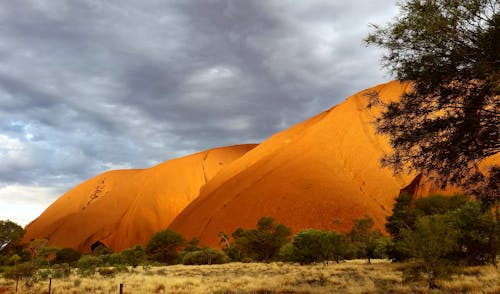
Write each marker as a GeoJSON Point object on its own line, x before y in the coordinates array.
{"type": "Point", "coordinates": [349, 277]}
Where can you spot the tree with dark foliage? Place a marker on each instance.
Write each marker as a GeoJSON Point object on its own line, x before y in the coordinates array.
{"type": "Point", "coordinates": [450, 121]}
{"type": "Point", "coordinates": [365, 238]}
{"type": "Point", "coordinates": [164, 246]}
{"type": "Point", "coordinates": [261, 244]}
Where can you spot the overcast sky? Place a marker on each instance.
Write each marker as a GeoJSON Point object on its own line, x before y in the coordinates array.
{"type": "Point", "coordinates": [92, 85]}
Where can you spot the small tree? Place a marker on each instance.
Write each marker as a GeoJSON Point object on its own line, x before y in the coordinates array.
{"type": "Point", "coordinates": [192, 245]}
{"type": "Point", "coordinates": [261, 244]}
{"type": "Point", "coordinates": [429, 243]}
{"type": "Point", "coordinates": [407, 210]}
{"type": "Point", "coordinates": [164, 246]}
{"type": "Point", "coordinates": [403, 215]}
{"type": "Point", "coordinates": [21, 271]}
{"type": "Point", "coordinates": [312, 246]}
{"type": "Point", "coordinates": [365, 238]}
{"type": "Point", "coordinates": [478, 234]}
{"type": "Point", "coordinates": [46, 255]}
{"type": "Point", "coordinates": [88, 264]}
{"type": "Point", "coordinates": [10, 232]}
{"type": "Point", "coordinates": [133, 256]}
{"type": "Point", "coordinates": [339, 246]}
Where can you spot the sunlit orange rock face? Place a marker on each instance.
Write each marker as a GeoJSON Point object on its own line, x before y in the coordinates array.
{"type": "Point", "coordinates": [321, 173]}
{"type": "Point", "coordinates": [123, 208]}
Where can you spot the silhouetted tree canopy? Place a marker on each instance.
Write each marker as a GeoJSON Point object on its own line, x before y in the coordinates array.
{"type": "Point", "coordinates": [449, 121]}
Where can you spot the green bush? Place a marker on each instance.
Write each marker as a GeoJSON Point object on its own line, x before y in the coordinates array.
{"type": "Point", "coordinates": [133, 256]}
{"type": "Point", "coordinates": [20, 271]}
{"type": "Point", "coordinates": [205, 256]}
{"type": "Point", "coordinates": [67, 255]}
{"type": "Point", "coordinates": [87, 264]}
{"type": "Point", "coordinates": [113, 259]}
{"type": "Point", "coordinates": [312, 245]}
{"type": "Point", "coordinates": [288, 252]}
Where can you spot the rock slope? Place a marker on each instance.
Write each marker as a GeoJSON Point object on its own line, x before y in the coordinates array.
{"type": "Point", "coordinates": [123, 208]}
{"type": "Point", "coordinates": [321, 173]}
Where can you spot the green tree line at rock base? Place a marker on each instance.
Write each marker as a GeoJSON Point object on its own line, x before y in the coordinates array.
{"type": "Point", "coordinates": [434, 237]}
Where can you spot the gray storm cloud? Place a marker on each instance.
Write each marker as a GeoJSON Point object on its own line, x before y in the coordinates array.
{"type": "Point", "coordinates": [87, 86]}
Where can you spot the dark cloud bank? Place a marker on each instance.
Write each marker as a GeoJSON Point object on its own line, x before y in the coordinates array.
{"type": "Point", "coordinates": [87, 86]}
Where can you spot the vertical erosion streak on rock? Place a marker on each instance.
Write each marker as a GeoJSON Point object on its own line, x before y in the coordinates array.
{"type": "Point", "coordinates": [203, 169]}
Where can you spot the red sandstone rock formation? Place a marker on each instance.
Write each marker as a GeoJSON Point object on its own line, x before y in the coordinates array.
{"type": "Point", "coordinates": [321, 173]}
{"type": "Point", "coordinates": [123, 208]}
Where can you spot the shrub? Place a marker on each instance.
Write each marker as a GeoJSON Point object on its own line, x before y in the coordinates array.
{"type": "Point", "coordinates": [205, 256]}
{"type": "Point", "coordinates": [23, 270]}
{"type": "Point", "coordinates": [87, 264]}
{"type": "Point", "coordinates": [67, 255]}
{"type": "Point", "coordinates": [113, 259]}
{"type": "Point", "coordinates": [133, 256]}
{"type": "Point", "coordinates": [288, 252]}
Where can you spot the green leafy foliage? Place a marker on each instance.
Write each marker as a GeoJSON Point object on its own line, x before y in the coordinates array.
{"type": "Point", "coordinates": [192, 245]}
{"type": "Point", "coordinates": [430, 242]}
{"type": "Point", "coordinates": [448, 122]}
{"type": "Point", "coordinates": [367, 241]}
{"type": "Point", "coordinates": [205, 256]}
{"type": "Point", "coordinates": [88, 264]}
{"type": "Point", "coordinates": [10, 233]}
{"type": "Point", "coordinates": [288, 252]}
{"type": "Point", "coordinates": [261, 244]}
{"type": "Point", "coordinates": [164, 247]}
{"type": "Point", "coordinates": [23, 270]}
{"type": "Point", "coordinates": [479, 234]}
{"type": "Point", "coordinates": [478, 230]}
{"type": "Point", "coordinates": [133, 256]}
{"type": "Point", "coordinates": [67, 255]}
{"type": "Point", "coordinates": [46, 255]}
{"type": "Point", "coordinates": [441, 233]}
{"type": "Point", "coordinates": [311, 246]}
